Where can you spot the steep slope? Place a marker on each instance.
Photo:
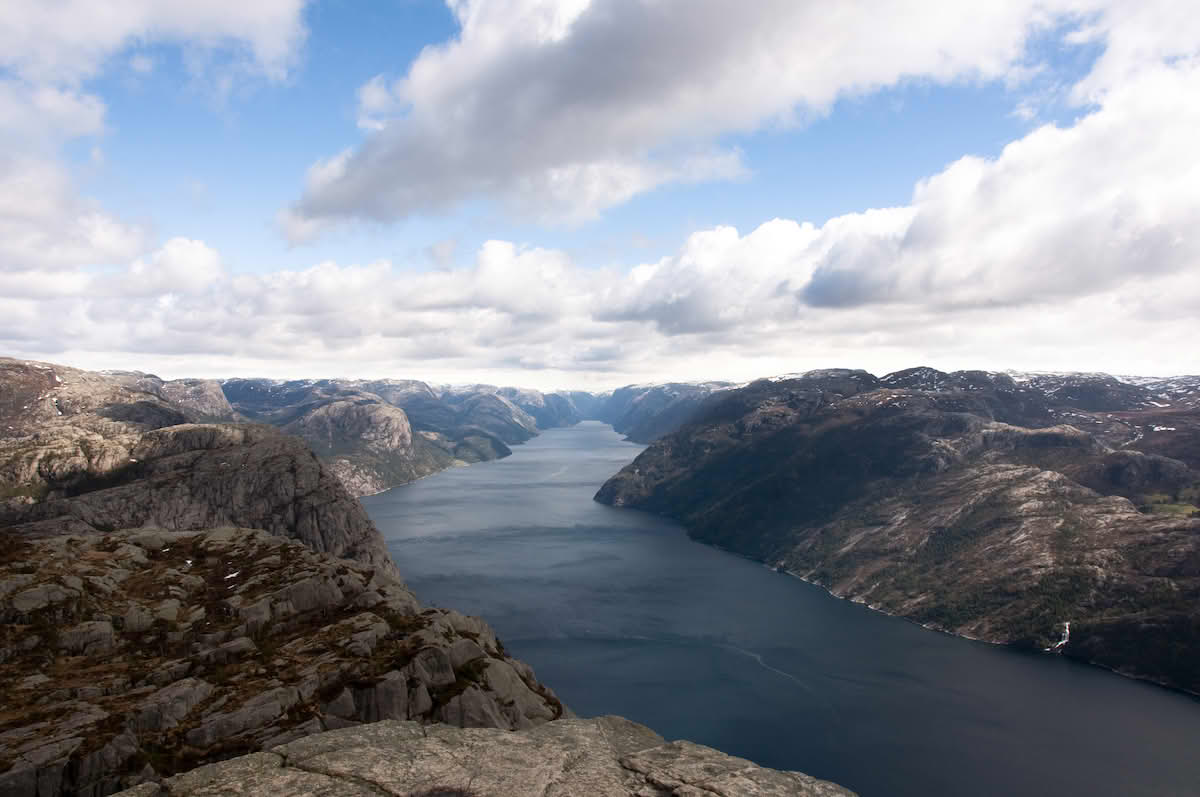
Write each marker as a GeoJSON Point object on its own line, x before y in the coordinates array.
{"type": "Point", "coordinates": [924, 503]}
{"type": "Point", "coordinates": [192, 476]}
{"type": "Point", "coordinates": [494, 415]}
{"type": "Point", "coordinates": [646, 412]}
{"type": "Point", "coordinates": [548, 410]}
{"type": "Point", "coordinates": [140, 653]}
{"type": "Point", "coordinates": [59, 424]}
{"type": "Point", "coordinates": [367, 442]}
{"type": "Point", "coordinates": [377, 434]}
{"type": "Point", "coordinates": [200, 400]}
{"type": "Point", "coordinates": [216, 592]}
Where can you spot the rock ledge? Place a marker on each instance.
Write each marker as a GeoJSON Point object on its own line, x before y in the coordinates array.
{"type": "Point", "coordinates": [601, 757]}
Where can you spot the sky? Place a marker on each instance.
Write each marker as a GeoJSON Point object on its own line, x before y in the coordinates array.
{"type": "Point", "coordinates": [589, 193]}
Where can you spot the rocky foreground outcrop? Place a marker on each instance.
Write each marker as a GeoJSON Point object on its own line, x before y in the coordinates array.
{"type": "Point", "coordinates": [601, 757]}
{"type": "Point", "coordinates": [206, 591]}
{"type": "Point", "coordinates": [928, 500]}
{"type": "Point", "coordinates": [139, 653]}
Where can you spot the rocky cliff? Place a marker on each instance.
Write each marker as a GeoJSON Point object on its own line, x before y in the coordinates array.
{"type": "Point", "coordinates": [922, 502]}
{"type": "Point", "coordinates": [367, 442]}
{"type": "Point", "coordinates": [193, 476]}
{"type": "Point", "coordinates": [59, 425]}
{"type": "Point", "coordinates": [173, 594]}
{"type": "Point", "coordinates": [140, 653]}
{"type": "Point", "coordinates": [377, 434]}
{"type": "Point", "coordinates": [601, 757]}
{"type": "Point", "coordinates": [213, 592]}
{"type": "Point", "coordinates": [548, 410]}
{"type": "Point", "coordinates": [644, 413]}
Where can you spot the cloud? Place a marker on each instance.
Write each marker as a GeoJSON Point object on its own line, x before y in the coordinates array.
{"type": "Point", "coordinates": [45, 227]}
{"type": "Point", "coordinates": [1074, 248]}
{"type": "Point", "coordinates": [42, 116]}
{"type": "Point", "coordinates": [48, 54]}
{"type": "Point", "coordinates": [1062, 211]}
{"type": "Point", "coordinates": [67, 42]}
{"type": "Point", "coordinates": [563, 109]}
{"type": "Point", "coordinates": [141, 63]}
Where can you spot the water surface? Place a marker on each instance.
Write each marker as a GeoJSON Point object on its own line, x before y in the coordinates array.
{"type": "Point", "coordinates": [621, 613]}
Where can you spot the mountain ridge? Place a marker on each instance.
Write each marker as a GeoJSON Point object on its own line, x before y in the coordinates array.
{"type": "Point", "coordinates": [940, 506]}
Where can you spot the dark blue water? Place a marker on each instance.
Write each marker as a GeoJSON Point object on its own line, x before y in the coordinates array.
{"type": "Point", "coordinates": [621, 613]}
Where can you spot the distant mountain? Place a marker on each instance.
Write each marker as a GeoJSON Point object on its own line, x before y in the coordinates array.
{"type": "Point", "coordinates": [548, 410]}
{"type": "Point", "coordinates": [60, 425]}
{"type": "Point", "coordinates": [989, 505]}
{"type": "Point", "coordinates": [367, 442]}
{"type": "Point", "coordinates": [376, 434]}
{"type": "Point", "coordinates": [646, 412]}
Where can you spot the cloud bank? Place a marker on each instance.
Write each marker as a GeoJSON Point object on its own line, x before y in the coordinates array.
{"type": "Point", "coordinates": [1075, 248]}
{"type": "Point", "coordinates": [563, 108]}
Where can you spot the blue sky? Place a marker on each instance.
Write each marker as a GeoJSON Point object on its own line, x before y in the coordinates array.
{"type": "Point", "coordinates": [541, 191]}
{"type": "Point", "coordinates": [196, 163]}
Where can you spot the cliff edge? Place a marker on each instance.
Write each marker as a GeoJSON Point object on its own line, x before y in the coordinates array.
{"type": "Point", "coordinates": [601, 757]}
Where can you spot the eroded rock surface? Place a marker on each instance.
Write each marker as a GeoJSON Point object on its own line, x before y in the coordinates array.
{"type": "Point", "coordinates": [143, 652]}
{"type": "Point", "coordinates": [601, 757]}
{"type": "Point", "coordinates": [199, 476]}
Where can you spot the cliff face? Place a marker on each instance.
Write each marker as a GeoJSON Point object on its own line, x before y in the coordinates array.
{"type": "Point", "coordinates": [644, 413]}
{"type": "Point", "coordinates": [922, 503]}
{"type": "Point", "coordinates": [548, 410]}
{"type": "Point", "coordinates": [139, 653]}
{"type": "Point", "coordinates": [202, 398]}
{"type": "Point", "coordinates": [601, 757]}
{"type": "Point", "coordinates": [376, 434]}
{"type": "Point", "coordinates": [59, 425]}
{"type": "Point", "coordinates": [368, 445]}
{"type": "Point", "coordinates": [206, 591]}
{"type": "Point", "coordinates": [192, 476]}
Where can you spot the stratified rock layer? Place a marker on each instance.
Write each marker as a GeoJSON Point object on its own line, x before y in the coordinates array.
{"type": "Point", "coordinates": [601, 757]}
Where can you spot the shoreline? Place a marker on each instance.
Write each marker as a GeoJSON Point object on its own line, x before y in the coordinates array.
{"type": "Point", "coordinates": [1054, 652]}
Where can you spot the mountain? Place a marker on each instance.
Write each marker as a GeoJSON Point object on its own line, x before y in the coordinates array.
{"type": "Point", "coordinates": [548, 410]}
{"type": "Point", "coordinates": [371, 442]}
{"type": "Point", "coordinates": [646, 412]}
{"type": "Point", "coordinates": [376, 434]}
{"type": "Point", "coordinates": [214, 592]}
{"type": "Point", "coordinates": [59, 425]}
{"type": "Point", "coordinates": [962, 501]}
{"type": "Point", "coordinates": [174, 594]}
{"type": "Point", "coordinates": [201, 400]}
{"type": "Point", "coordinates": [588, 405]}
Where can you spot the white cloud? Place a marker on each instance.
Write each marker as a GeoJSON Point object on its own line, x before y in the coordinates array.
{"type": "Point", "coordinates": [49, 51]}
{"type": "Point", "coordinates": [42, 116]}
{"type": "Point", "coordinates": [44, 226]}
{"type": "Point", "coordinates": [567, 108]}
{"type": "Point", "coordinates": [141, 63]}
{"type": "Point", "coordinates": [1075, 248]}
{"type": "Point", "coordinates": [181, 266]}
{"type": "Point", "coordinates": [69, 41]}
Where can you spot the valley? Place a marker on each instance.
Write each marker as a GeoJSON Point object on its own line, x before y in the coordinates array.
{"type": "Point", "coordinates": [972, 503]}
{"type": "Point", "coordinates": [189, 574]}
